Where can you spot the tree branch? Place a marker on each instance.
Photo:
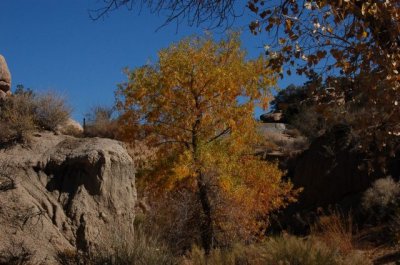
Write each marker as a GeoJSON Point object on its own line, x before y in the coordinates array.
{"type": "Point", "coordinates": [227, 130]}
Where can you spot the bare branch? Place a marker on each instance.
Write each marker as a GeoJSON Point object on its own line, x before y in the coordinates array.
{"type": "Point", "coordinates": [217, 13]}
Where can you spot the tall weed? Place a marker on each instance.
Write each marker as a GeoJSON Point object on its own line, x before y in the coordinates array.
{"type": "Point", "coordinates": [283, 250]}
{"type": "Point", "coordinates": [336, 230]}
{"type": "Point", "coordinates": [125, 248]}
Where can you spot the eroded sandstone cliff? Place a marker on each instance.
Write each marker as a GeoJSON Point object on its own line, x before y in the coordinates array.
{"type": "Point", "coordinates": [64, 193]}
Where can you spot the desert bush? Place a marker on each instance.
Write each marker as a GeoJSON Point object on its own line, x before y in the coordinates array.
{"type": "Point", "coordinates": [335, 229]}
{"type": "Point", "coordinates": [238, 255]}
{"type": "Point", "coordinates": [71, 130]}
{"type": "Point", "coordinates": [293, 250]}
{"type": "Point", "coordinates": [17, 118]}
{"type": "Point", "coordinates": [6, 133]}
{"type": "Point", "coordinates": [51, 111]}
{"type": "Point", "coordinates": [309, 122]}
{"type": "Point", "coordinates": [141, 247]}
{"type": "Point", "coordinates": [100, 123]}
{"type": "Point", "coordinates": [381, 200]}
{"type": "Point", "coordinates": [285, 250]}
{"type": "Point", "coordinates": [175, 216]}
{"type": "Point", "coordinates": [128, 248]}
{"type": "Point", "coordinates": [24, 111]}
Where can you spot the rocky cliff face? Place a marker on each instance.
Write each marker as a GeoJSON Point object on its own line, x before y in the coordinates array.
{"type": "Point", "coordinates": [330, 170]}
{"type": "Point", "coordinates": [63, 193]}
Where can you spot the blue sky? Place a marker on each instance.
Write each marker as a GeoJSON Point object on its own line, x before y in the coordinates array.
{"type": "Point", "coordinates": [54, 45]}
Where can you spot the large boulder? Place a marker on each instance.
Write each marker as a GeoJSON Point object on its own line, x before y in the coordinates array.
{"type": "Point", "coordinates": [5, 77]}
{"type": "Point", "coordinates": [64, 194]}
{"type": "Point", "coordinates": [70, 127]}
{"type": "Point", "coordinates": [275, 117]}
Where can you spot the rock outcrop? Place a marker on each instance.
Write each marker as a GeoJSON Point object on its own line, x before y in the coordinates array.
{"type": "Point", "coordinates": [281, 141]}
{"type": "Point", "coordinates": [275, 117]}
{"type": "Point", "coordinates": [64, 193]}
{"type": "Point", "coordinates": [330, 170]}
{"type": "Point", "coordinates": [5, 78]}
{"type": "Point", "coordinates": [70, 127]}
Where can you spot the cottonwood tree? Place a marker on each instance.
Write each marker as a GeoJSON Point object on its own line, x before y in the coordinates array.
{"type": "Point", "coordinates": [355, 39]}
{"type": "Point", "coordinates": [355, 46]}
{"type": "Point", "coordinates": [196, 105]}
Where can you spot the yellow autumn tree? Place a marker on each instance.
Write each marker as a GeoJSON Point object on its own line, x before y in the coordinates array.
{"type": "Point", "coordinates": [196, 106]}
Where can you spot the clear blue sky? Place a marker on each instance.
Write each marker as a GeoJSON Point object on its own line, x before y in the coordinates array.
{"type": "Point", "coordinates": [54, 45]}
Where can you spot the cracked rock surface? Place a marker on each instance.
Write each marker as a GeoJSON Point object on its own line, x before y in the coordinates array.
{"type": "Point", "coordinates": [64, 193]}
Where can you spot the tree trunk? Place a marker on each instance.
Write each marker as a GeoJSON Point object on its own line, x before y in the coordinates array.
{"type": "Point", "coordinates": [206, 225]}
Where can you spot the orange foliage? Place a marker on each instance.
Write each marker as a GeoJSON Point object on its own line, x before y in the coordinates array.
{"type": "Point", "coordinates": [187, 105]}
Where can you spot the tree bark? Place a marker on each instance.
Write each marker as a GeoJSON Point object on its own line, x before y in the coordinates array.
{"type": "Point", "coordinates": [206, 225]}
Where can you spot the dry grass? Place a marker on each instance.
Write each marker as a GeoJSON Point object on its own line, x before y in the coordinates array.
{"type": "Point", "coordinates": [71, 130]}
{"type": "Point", "coordinates": [336, 230]}
{"type": "Point", "coordinates": [17, 118]}
{"type": "Point", "coordinates": [285, 250]}
{"type": "Point", "coordinates": [51, 111]}
{"type": "Point", "coordinates": [25, 112]}
{"type": "Point", "coordinates": [176, 218]}
{"type": "Point", "coordinates": [100, 123]}
{"type": "Point", "coordinates": [238, 255]}
{"type": "Point", "coordinates": [103, 129]}
{"type": "Point", "coordinates": [127, 247]}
